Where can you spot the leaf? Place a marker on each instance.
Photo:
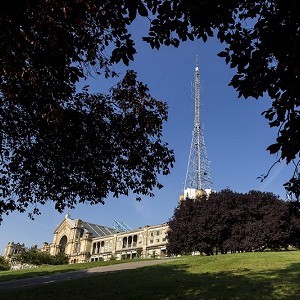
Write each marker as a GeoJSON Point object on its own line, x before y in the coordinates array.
{"type": "Point", "coordinates": [132, 8]}
{"type": "Point", "coordinates": [222, 54]}
{"type": "Point", "coordinates": [142, 9]}
{"type": "Point", "coordinates": [274, 148]}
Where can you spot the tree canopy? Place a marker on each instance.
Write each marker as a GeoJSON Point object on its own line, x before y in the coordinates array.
{"type": "Point", "coordinates": [65, 146]}
{"type": "Point", "coordinates": [229, 221]}
{"type": "Point", "coordinates": [4, 264]}
{"type": "Point", "coordinates": [33, 256]}
{"type": "Point", "coordinates": [262, 43]}
{"type": "Point", "coordinates": [60, 145]}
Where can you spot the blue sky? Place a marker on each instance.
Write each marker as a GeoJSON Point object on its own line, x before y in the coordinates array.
{"type": "Point", "coordinates": [236, 136]}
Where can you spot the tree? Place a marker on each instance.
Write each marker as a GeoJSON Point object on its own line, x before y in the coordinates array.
{"type": "Point", "coordinates": [263, 44]}
{"type": "Point", "coordinates": [295, 224]}
{"type": "Point", "coordinates": [4, 264]}
{"type": "Point", "coordinates": [67, 147]}
{"type": "Point", "coordinates": [33, 256]}
{"type": "Point", "coordinates": [229, 221]}
{"type": "Point", "coordinates": [181, 234]}
{"type": "Point", "coordinates": [267, 222]}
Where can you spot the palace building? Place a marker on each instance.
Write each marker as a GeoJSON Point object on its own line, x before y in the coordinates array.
{"type": "Point", "coordinates": [84, 242]}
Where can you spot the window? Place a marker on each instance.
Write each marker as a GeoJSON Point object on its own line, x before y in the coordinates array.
{"type": "Point", "coordinates": [81, 232]}
{"type": "Point", "coordinates": [157, 232]}
{"type": "Point", "coordinates": [62, 244]}
{"type": "Point", "coordinates": [151, 241]}
{"type": "Point", "coordinates": [164, 239]}
{"type": "Point", "coordinates": [94, 248]}
{"type": "Point", "coordinates": [76, 248]}
{"type": "Point", "coordinates": [134, 241]}
{"type": "Point", "coordinates": [129, 241]}
{"type": "Point", "coordinates": [157, 240]}
{"type": "Point", "coordinates": [124, 242]}
{"type": "Point", "coordinates": [151, 234]}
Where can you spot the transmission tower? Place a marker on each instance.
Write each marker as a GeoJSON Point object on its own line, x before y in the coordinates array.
{"type": "Point", "coordinates": [198, 175]}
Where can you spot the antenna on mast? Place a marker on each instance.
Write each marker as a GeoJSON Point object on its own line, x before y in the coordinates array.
{"type": "Point", "coordinates": [198, 178]}
{"type": "Point", "coordinates": [196, 68]}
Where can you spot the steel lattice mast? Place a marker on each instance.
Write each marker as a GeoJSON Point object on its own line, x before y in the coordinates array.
{"type": "Point", "coordinates": [198, 175]}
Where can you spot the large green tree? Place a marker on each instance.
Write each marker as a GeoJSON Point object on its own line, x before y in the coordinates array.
{"type": "Point", "coordinates": [62, 146]}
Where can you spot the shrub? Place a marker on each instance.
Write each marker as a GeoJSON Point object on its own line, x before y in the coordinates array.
{"type": "Point", "coordinates": [35, 257]}
{"type": "Point", "coordinates": [4, 264]}
{"type": "Point", "coordinates": [59, 259]}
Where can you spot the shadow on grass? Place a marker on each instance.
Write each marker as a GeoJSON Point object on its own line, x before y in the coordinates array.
{"type": "Point", "coordinates": [31, 273]}
{"type": "Point", "coordinates": [170, 281]}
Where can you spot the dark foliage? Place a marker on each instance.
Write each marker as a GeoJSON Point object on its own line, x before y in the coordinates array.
{"type": "Point", "coordinates": [262, 43]}
{"type": "Point", "coordinates": [61, 146]}
{"type": "Point", "coordinates": [230, 221]}
{"type": "Point", "coordinates": [67, 147]}
{"type": "Point", "coordinates": [295, 224]}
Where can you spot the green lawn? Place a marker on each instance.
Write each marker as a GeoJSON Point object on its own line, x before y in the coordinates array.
{"type": "Point", "coordinates": [266, 275]}
{"type": "Point", "coordinates": [49, 270]}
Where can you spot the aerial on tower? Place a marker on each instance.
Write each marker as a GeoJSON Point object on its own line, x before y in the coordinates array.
{"type": "Point", "coordinates": [198, 178]}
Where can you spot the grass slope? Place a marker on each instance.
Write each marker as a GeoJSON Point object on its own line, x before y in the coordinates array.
{"type": "Point", "coordinates": [266, 275]}
{"type": "Point", "coordinates": [49, 270]}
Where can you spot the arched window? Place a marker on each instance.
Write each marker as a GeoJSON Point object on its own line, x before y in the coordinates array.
{"type": "Point", "coordinates": [134, 241]}
{"type": "Point", "coordinates": [125, 242]}
{"type": "Point", "coordinates": [94, 248]}
{"type": "Point", "coordinates": [62, 244]}
{"type": "Point", "coordinates": [76, 248]}
{"type": "Point", "coordinates": [81, 232]}
{"type": "Point", "coordinates": [129, 241]}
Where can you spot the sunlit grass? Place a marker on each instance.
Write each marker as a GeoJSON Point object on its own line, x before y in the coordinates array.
{"type": "Point", "coordinates": [48, 270]}
{"type": "Point", "coordinates": [265, 275]}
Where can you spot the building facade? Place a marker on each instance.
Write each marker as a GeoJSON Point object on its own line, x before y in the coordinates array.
{"type": "Point", "coordinates": [83, 241]}
{"type": "Point", "coordinates": [12, 249]}
{"type": "Point", "coordinates": [146, 242]}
